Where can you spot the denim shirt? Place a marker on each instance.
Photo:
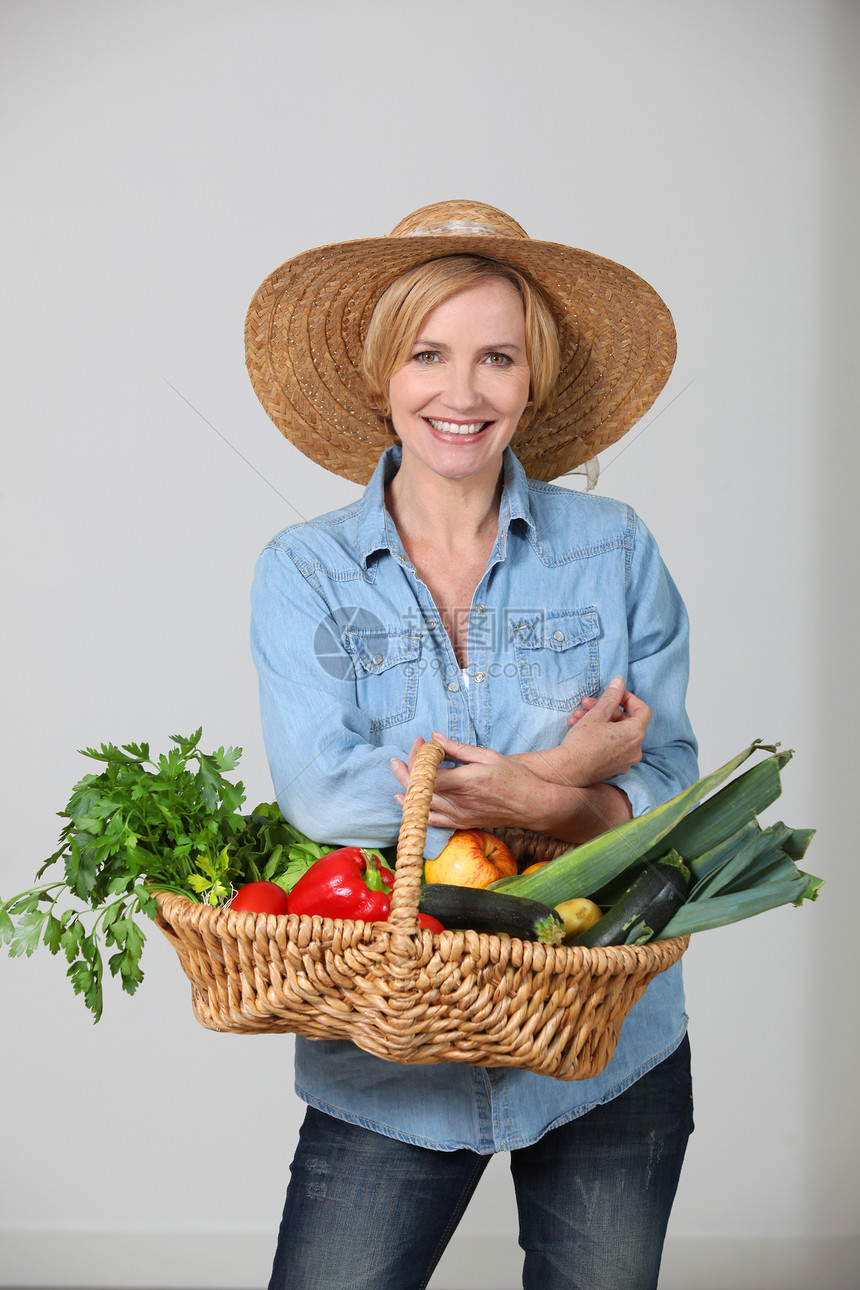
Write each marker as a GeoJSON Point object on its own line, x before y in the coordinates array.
{"type": "Point", "coordinates": [354, 663]}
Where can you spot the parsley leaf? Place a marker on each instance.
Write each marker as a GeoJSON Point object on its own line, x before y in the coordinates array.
{"type": "Point", "coordinates": [137, 825]}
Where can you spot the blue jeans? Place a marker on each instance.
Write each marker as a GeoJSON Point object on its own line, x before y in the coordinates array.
{"type": "Point", "coordinates": [367, 1212]}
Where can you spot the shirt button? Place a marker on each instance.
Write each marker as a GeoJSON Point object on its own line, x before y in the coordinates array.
{"type": "Point", "coordinates": [378, 658]}
{"type": "Point", "coordinates": [479, 609]}
{"type": "Point", "coordinates": [558, 636]}
{"type": "Point", "coordinates": [431, 624]}
{"type": "Point", "coordinates": [453, 686]}
{"type": "Point", "coordinates": [479, 676]}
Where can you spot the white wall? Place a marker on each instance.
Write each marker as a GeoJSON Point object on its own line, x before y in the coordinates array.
{"type": "Point", "coordinates": [158, 159]}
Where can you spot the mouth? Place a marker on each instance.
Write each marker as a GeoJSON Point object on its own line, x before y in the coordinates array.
{"type": "Point", "coordinates": [457, 429]}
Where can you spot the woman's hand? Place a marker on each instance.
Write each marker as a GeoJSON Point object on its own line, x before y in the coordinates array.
{"type": "Point", "coordinates": [604, 740]}
{"type": "Point", "coordinates": [487, 790]}
{"type": "Point", "coordinates": [491, 791]}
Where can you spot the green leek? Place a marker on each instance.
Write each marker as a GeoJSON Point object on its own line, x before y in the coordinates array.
{"type": "Point", "coordinates": [586, 868]}
{"type": "Point", "coordinates": [737, 868]}
{"type": "Point", "coordinates": [719, 911]}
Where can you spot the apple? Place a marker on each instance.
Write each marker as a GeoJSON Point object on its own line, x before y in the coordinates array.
{"type": "Point", "coordinates": [472, 858]}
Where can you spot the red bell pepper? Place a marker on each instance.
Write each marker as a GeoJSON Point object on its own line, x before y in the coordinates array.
{"type": "Point", "coordinates": [427, 920]}
{"type": "Point", "coordinates": [348, 883]}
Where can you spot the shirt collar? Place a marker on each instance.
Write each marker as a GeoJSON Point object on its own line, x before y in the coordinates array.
{"type": "Point", "coordinates": [515, 496]}
{"type": "Point", "coordinates": [376, 531]}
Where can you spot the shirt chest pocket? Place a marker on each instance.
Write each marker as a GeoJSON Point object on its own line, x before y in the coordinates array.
{"type": "Point", "coordinates": [557, 657]}
{"type": "Point", "coordinates": [386, 675]}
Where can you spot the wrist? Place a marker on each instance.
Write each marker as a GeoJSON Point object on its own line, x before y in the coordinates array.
{"type": "Point", "coordinates": [578, 814]}
{"type": "Point", "coordinates": [556, 809]}
{"type": "Point", "coordinates": [545, 763]}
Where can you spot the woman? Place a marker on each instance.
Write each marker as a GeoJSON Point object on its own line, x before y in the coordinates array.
{"type": "Point", "coordinates": [532, 630]}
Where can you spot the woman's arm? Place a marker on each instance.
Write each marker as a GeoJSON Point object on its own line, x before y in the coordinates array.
{"type": "Point", "coordinates": [604, 740]}
{"type": "Point", "coordinates": [619, 758]}
{"type": "Point", "coordinates": [559, 791]}
{"type": "Point", "coordinates": [330, 778]}
{"type": "Point", "coordinates": [491, 791]}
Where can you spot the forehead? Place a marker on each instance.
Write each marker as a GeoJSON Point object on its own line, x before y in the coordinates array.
{"type": "Point", "coordinates": [491, 304]}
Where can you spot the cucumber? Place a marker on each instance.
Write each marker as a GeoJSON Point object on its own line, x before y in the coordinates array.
{"type": "Point", "coordinates": [651, 900]}
{"type": "Point", "coordinates": [490, 911]}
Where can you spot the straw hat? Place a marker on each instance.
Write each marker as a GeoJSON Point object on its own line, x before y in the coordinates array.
{"type": "Point", "coordinates": [306, 325]}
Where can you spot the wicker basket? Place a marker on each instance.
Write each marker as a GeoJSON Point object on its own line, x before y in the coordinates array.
{"type": "Point", "coordinates": [402, 993]}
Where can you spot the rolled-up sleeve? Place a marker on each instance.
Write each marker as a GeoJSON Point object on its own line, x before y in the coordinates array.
{"type": "Point", "coordinates": [330, 778]}
{"type": "Point", "coordinates": [658, 673]}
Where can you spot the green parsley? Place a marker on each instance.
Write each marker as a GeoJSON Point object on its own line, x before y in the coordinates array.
{"type": "Point", "coordinates": [145, 824]}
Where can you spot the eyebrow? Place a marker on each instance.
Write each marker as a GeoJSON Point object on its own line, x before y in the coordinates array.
{"type": "Point", "coordinates": [425, 343]}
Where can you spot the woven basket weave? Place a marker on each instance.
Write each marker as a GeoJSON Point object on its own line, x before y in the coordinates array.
{"type": "Point", "coordinates": [400, 992]}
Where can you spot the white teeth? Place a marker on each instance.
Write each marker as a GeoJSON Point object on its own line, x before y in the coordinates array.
{"type": "Point", "coordinates": [451, 427]}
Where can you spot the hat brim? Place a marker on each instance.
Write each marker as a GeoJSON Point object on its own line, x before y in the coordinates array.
{"type": "Point", "coordinates": [306, 324]}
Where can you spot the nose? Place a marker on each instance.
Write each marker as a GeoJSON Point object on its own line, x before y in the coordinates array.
{"type": "Point", "coordinates": [461, 393]}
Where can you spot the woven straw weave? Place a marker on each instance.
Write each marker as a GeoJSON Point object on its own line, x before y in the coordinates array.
{"type": "Point", "coordinates": [404, 994]}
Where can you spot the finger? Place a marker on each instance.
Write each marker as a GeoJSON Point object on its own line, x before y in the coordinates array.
{"type": "Point", "coordinates": [441, 817]}
{"type": "Point", "coordinates": [435, 819]}
{"type": "Point", "coordinates": [637, 708]}
{"type": "Point", "coordinates": [458, 751]}
{"type": "Point", "coordinates": [416, 744]}
{"type": "Point", "coordinates": [612, 696]}
{"type": "Point", "coordinates": [622, 710]}
{"type": "Point", "coordinates": [441, 822]}
{"type": "Point", "coordinates": [637, 712]}
{"type": "Point", "coordinates": [401, 771]}
{"type": "Point", "coordinates": [587, 704]}
{"type": "Point", "coordinates": [609, 701]}
{"type": "Point", "coordinates": [455, 781]}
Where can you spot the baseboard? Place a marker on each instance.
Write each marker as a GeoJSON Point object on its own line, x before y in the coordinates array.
{"type": "Point", "coordinates": [689, 1263]}
{"type": "Point", "coordinates": [210, 1260]}
{"type": "Point", "coordinates": [761, 1263]}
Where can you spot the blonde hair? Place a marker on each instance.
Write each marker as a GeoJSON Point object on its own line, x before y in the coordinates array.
{"type": "Point", "coordinates": [403, 306]}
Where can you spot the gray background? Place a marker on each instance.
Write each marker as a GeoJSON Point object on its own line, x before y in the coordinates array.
{"type": "Point", "coordinates": [158, 160]}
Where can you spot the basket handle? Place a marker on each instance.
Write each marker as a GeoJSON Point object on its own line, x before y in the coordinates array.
{"type": "Point", "coordinates": [409, 866]}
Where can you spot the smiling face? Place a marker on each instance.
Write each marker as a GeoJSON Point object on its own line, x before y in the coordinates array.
{"type": "Point", "coordinates": [456, 402]}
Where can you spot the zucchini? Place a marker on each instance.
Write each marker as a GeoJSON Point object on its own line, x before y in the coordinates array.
{"type": "Point", "coordinates": [489, 911]}
{"type": "Point", "coordinates": [648, 904]}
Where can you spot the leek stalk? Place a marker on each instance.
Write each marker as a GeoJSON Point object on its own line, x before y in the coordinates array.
{"type": "Point", "coordinates": [586, 868]}
{"type": "Point", "coordinates": [719, 911]}
{"type": "Point", "coordinates": [737, 868]}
